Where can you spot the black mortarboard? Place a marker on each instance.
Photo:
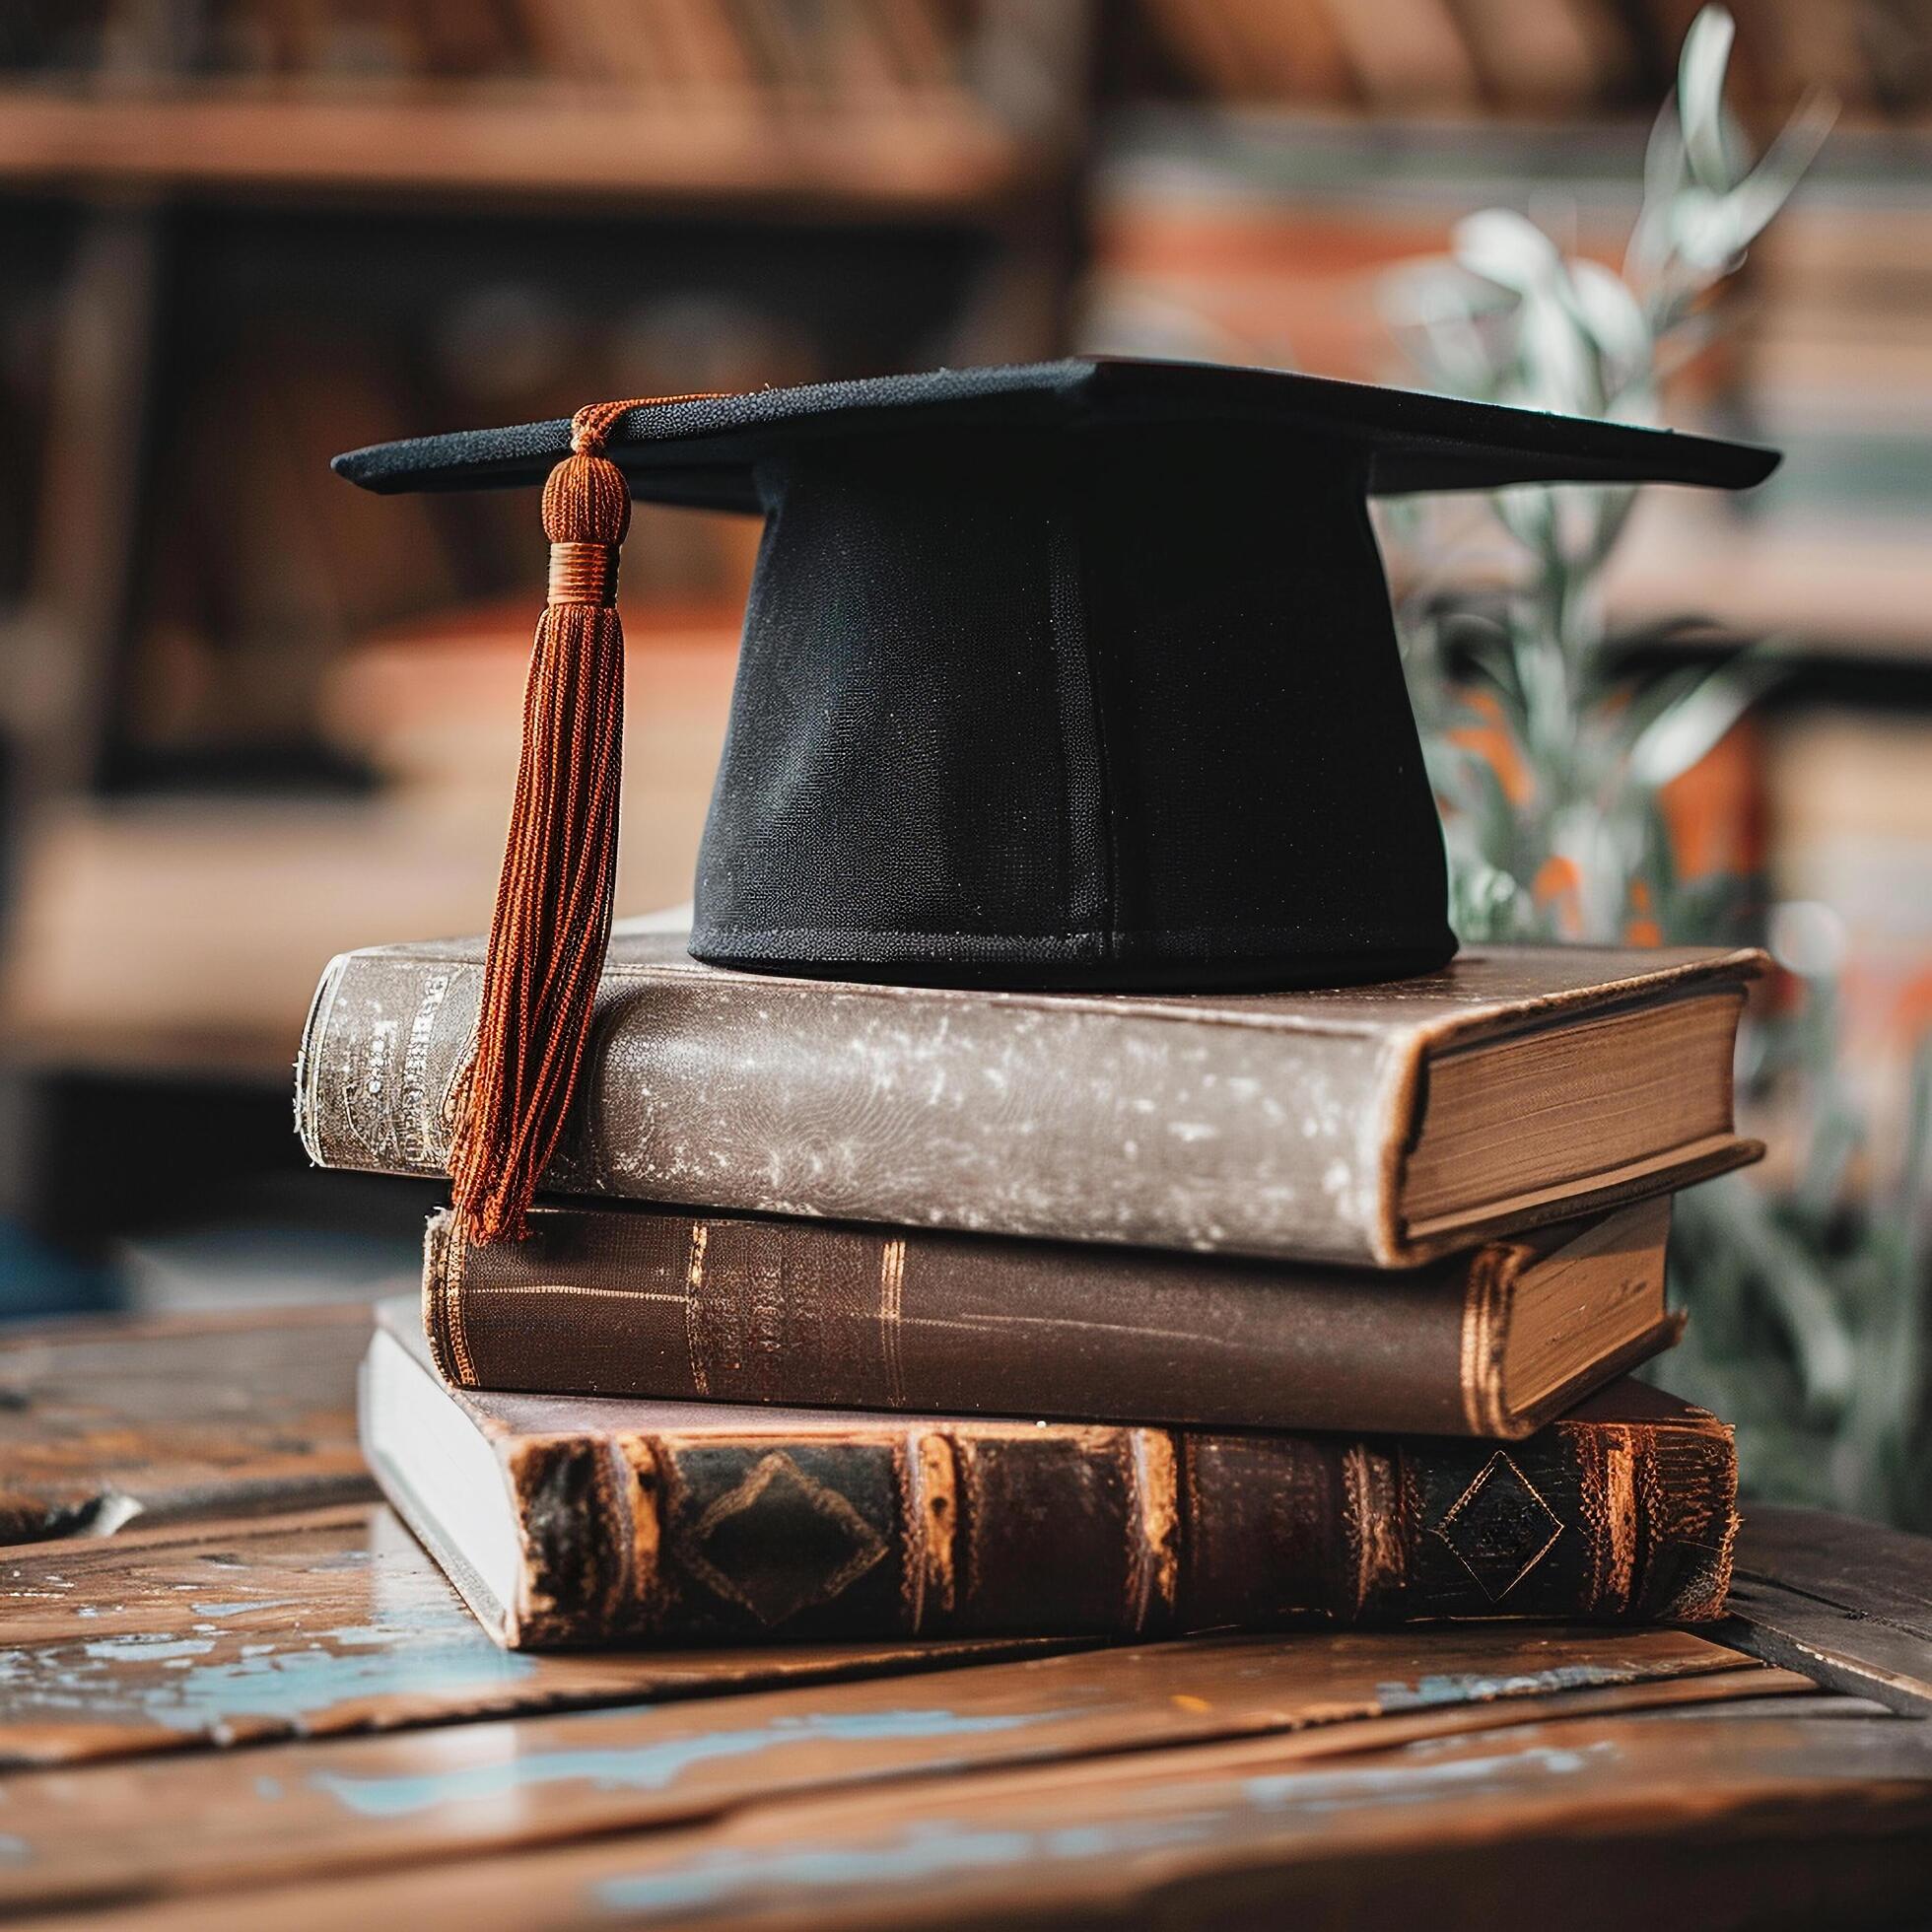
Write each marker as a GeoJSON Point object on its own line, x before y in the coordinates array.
{"type": "Point", "coordinates": [1078, 674]}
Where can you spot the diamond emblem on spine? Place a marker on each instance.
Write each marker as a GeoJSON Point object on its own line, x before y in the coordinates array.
{"type": "Point", "coordinates": [780, 1542]}
{"type": "Point", "coordinates": [1500, 1529]}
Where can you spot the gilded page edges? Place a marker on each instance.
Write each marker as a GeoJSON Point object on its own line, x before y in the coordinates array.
{"type": "Point", "coordinates": [1399, 1118]}
{"type": "Point", "coordinates": [1735, 967]}
{"type": "Point", "coordinates": [1656, 1340]}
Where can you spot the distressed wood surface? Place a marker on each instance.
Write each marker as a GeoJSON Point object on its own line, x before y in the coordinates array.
{"type": "Point", "coordinates": [1587, 1822]}
{"type": "Point", "coordinates": [224, 1634]}
{"type": "Point", "coordinates": [147, 1828]}
{"type": "Point", "coordinates": [102, 1425]}
{"type": "Point", "coordinates": [193, 1567]}
{"type": "Point", "coordinates": [1847, 1603]}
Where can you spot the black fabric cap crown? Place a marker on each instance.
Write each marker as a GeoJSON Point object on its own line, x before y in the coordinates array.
{"type": "Point", "coordinates": [1082, 673]}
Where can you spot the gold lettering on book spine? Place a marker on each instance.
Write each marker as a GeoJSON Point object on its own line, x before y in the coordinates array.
{"type": "Point", "coordinates": [1374, 1534]}
{"type": "Point", "coordinates": [637, 1466]}
{"type": "Point", "coordinates": [892, 1287]}
{"type": "Point", "coordinates": [694, 1281]}
{"type": "Point", "coordinates": [1153, 1574]}
{"type": "Point", "coordinates": [1612, 1515]}
{"type": "Point", "coordinates": [932, 1518]}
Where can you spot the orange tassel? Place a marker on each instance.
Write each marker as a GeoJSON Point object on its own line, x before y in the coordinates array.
{"type": "Point", "coordinates": [552, 920]}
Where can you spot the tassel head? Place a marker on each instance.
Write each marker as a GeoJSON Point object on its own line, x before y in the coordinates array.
{"type": "Point", "coordinates": [586, 498]}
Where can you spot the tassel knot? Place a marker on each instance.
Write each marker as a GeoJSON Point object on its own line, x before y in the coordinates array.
{"type": "Point", "coordinates": [585, 500]}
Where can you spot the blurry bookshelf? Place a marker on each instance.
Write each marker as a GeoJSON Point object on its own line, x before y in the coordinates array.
{"type": "Point", "coordinates": [252, 717]}
{"type": "Point", "coordinates": [1505, 59]}
{"type": "Point", "coordinates": [872, 105]}
{"type": "Point", "coordinates": [299, 227]}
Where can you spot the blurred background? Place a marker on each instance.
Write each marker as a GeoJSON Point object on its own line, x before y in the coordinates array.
{"type": "Point", "coordinates": [250, 717]}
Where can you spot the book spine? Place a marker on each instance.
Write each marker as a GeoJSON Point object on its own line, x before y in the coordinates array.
{"type": "Point", "coordinates": [639, 1302]}
{"type": "Point", "coordinates": [961, 1530]}
{"type": "Point", "coordinates": [1075, 1121]}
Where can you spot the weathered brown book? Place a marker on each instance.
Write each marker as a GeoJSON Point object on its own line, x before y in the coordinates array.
{"type": "Point", "coordinates": [590, 1519]}
{"type": "Point", "coordinates": [1377, 1126]}
{"type": "Point", "coordinates": [631, 1301]}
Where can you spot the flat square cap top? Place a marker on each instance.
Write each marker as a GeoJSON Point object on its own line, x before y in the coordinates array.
{"type": "Point", "coordinates": [1073, 674]}
{"type": "Point", "coordinates": [701, 451]}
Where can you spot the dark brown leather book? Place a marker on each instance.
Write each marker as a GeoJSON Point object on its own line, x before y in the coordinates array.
{"type": "Point", "coordinates": [631, 1301]}
{"type": "Point", "coordinates": [588, 1519]}
{"type": "Point", "coordinates": [1375, 1125]}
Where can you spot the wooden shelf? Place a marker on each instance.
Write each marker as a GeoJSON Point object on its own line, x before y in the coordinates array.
{"type": "Point", "coordinates": [914, 153]}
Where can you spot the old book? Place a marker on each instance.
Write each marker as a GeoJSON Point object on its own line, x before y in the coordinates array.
{"type": "Point", "coordinates": [1376, 1126]}
{"type": "Point", "coordinates": [595, 1519]}
{"type": "Point", "coordinates": [630, 1301]}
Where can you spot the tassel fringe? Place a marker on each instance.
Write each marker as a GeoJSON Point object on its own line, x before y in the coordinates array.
{"type": "Point", "coordinates": [553, 909]}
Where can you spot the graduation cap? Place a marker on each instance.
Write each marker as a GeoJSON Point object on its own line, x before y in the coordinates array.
{"type": "Point", "coordinates": [1075, 675]}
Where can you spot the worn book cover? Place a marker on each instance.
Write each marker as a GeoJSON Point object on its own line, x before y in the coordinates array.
{"type": "Point", "coordinates": [586, 1520]}
{"type": "Point", "coordinates": [1375, 1125]}
{"type": "Point", "coordinates": [774, 1309]}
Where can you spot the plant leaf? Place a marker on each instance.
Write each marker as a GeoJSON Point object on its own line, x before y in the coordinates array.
{"type": "Point", "coordinates": [1612, 315]}
{"type": "Point", "coordinates": [1788, 1274]}
{"type": "Point", "coordinates": [1662, 175]}
{"type": "Point", "coordinates": [1770, 185]}
{"type": "Point", "coordinates": [1700, 70]}
{"type": "Point", "coordinates": [1504, 247]}
{"type": "Point", "coordinates": [1683, 733]}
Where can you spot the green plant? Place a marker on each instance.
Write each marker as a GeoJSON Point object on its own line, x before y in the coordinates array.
{"type": "Point", "coordinates": [1807, 1303]}
{"type": "Point", "coordinates": [1564, 836]}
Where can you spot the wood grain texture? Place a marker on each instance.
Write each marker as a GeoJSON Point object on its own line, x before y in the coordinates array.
{"type": "Point", "coordinates": [102, 1425]}
{"type": "Point", "coordinates": [1847, 1603]}
{"type": "Point", "coordinates": [149, 1827]}
{"type": "Point", "coordinates": [1591, 1821]}
{"type": "Point", "coordinates": [222, 1633]}
{"type": "Point", "coordinates": [408, 1771]}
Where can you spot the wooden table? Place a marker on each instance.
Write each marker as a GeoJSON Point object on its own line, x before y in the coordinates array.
{"type": "Point", "coordinates": [235, 1694]}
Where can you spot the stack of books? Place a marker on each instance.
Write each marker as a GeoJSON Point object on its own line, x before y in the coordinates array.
{"type": "Point", "coordinates": [885, 1310]}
